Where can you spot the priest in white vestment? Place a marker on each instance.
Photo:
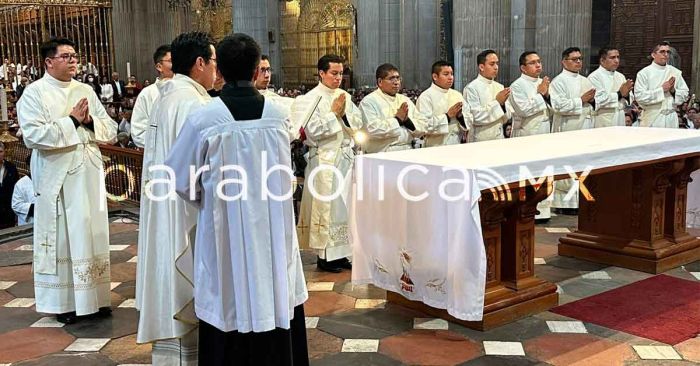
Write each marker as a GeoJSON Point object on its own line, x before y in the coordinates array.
{"type": "Point", "coordinates": [249, 278]}
{"type": "Point", "coordinates": [164, 276]}
{"type": "Point", "coordinates": [62, 120]}
{"type": "Point", "coordinates": [445, 112]}
{"type": "Point", "coordinates": [147, 97]}
{"type": "Point", "coordinates": [390, 119]}
{"type": "Point", "coordinates": [612, 90]}
{"type": "Point", "coordinates": [330, 120]}
{"type": "Point", "coordinates": [659, 89]}
{"type": "Point", "coordinates": [487, 100]}
{"type": "Point", "coordinates": [572, 97]}
{"type": "Point", "coordinates": [262, 83]}
{"type": "Point", "coordinates": [24, 199]}
{"type": "Point", "coordinates": [530, 101]}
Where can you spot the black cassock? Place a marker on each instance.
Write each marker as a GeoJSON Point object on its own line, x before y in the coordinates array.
{"type": "Point", "coordinates": [278, 347]}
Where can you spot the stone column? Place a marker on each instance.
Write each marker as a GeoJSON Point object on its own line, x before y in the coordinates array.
{"type": "Point", "coordinates": [369, 41]}
{"type": "Point", "coordinates": [420, 41]}
{"type": "Point", "coordinates": [524, 21]}
{"type": "Point", "coordinates": [250, 17]}
{"type": "Point", "coordinates": [480, 25]}
{"type": "Point", "coordinates": [562, 24]}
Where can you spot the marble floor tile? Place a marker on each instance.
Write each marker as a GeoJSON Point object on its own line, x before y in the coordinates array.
{"type": "Point", "coordinates": [360, 345]}
{"type": "Point", "coordinates": [496, 348]}
{"type": "Point", "coordinates": [87, 345]}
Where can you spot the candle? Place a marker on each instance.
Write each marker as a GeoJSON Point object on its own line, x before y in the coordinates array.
{"type": "Point", "coordinates": [128, 71]}
{"type": "Point", "coordinates": [3, 103]}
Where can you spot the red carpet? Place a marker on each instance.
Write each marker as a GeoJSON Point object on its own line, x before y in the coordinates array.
{"type": "Point", "coordinates": [662, 308]}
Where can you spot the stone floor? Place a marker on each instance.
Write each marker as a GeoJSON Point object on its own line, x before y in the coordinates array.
{"type": "Point", "coordinates": [348, 325]}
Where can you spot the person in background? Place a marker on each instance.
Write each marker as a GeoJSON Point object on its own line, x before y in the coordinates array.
{"type": "Point", "coordinates": [23, 197]}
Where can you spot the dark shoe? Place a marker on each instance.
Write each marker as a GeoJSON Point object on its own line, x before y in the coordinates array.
{"type": "Point", "coordinates": [326, 266]}
{"type": "Point", "coordinates": [67, 318]}
{"type": "Point", "coordinates": [570, 211]}
{"type": "Point", "coordinates": [105, 311]}
{"type": "Point", "coordinates": [542, 221]}
{"type": "Point", "coordinates": [343, 263]}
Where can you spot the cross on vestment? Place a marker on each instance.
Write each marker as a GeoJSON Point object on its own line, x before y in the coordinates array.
{"type": "Point", "coordinates": [46, 247]}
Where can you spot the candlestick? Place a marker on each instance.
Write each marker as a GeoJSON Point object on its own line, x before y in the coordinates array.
{"type": "Point", "coordinates": [128, 70]}
{"type": "Point", "coordinates": [3, 104]}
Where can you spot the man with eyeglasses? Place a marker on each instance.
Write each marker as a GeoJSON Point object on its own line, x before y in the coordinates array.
{"type": "Point", "coordinates": [529, 98]}
{"type": "Point", "coordinates": [148, 96]}
{"type": "Point", "coordinates": [262, 83]}
{"type": "Point", "coordinates": [62, 120]}
{"type": "Point", "coordinates": [443, 108]}
{"type": "Point", "coordinates": [329, 120]}
{"type": "Point", "coordinates": [572, 97]}
{"type": "Point", "coordinates": [659, 89]}
{"type": "Point", "coordinates": [164, 272]}
{"type": "Point", "coordinates": [390, 118]}
{"type": "Point", "coordinates": [613, 90]}
{"type": "Point", "coordinates": [487, 99]}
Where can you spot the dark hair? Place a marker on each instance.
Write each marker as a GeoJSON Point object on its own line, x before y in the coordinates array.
{"type": "Point", "coordinates": [160, 53]}
{"type": "Point", "coordinates": [523, 57]}
{"type": "Point", "coordinates": [384, 69]}
{"type": "Point", "coordinates": [239, 57]}
{"type": "Point", "coordinates": [187, 47]}
{"type": "Point", "coordinates": [481, 57]}
{"type": "Point", "coordinates": [661, 43]}
{"type": "Point", "coordinates": [324, 63]}
{"type": "Point", "coordinates": [569, 51]}
{"type": "Point", "coordinates": [264, 57]}
{"type": "Point", "coordinates": [438, 65]}
{"type": "Point", "coordinates": [603, 52]}
{"type": "Point", "coordinates": [49, 48]}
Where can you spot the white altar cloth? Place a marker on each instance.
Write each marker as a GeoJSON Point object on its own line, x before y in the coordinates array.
{"type": "Point", "coordinates": [432, 250]}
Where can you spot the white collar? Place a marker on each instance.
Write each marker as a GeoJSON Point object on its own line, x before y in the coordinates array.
{"type": "Point", "coordinates": [435, 87]}
{"type": "Point", "coordinates": [484, 80]}
{"type": "Point", "coordinates": [529, 78]}
{"type": "Point", "coordinates": [55, 82]}
{"type": "Point", "coordinates": [570, 73]}
{"type": "Point", "coordinates": [658, 67]}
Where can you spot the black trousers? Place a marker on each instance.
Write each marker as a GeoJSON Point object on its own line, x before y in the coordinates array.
{"type": "Point", "coordinates": [278, 347]}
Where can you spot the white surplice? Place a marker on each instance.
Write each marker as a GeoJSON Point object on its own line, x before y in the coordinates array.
{"type": "Point", "coordinates": [531, 113]}
{"type": "Point", "coordinates": [323, 224]}
{"type": "Point", "coordinates": [71, 231]}
{"type": "Point", "coordinates": [488, 116]}
{"type": "Point", "coordinates": [570, 114]}
{"type": "Point", "coordinates": [659, 106]}
{"type": "Point", "coordinates": [164, 276]}
{"type": "Point", "coordinates": [383, 129]}
{"type": "Point", "coordinates": [609, 107]}
{"type": "Point", "coordinates": [142, 111]}
{"type": "Point", "coordinates": [433, 104]}
{"type": "Point", "coordinates": [531, 116]}
{"type": "Point", "coordinates": [248, 269]}
{"type": "Point", "coordinates": [22, 198]}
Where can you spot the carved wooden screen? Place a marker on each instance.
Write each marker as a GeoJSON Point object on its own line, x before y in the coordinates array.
{"type": "Point", "coordinates": [25, 24]}
{"type": "Point", "coordinates": [311, 29]}
{"type": "Point", "coordinates": [638, 24]}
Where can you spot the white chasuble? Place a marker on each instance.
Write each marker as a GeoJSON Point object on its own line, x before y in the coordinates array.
{"type": "Point", "coordinates": [71, 231]}
{"type": "Point", "coordinates": [659, 106]}
{"type": "Point", "coordinates": [164, 276]}
{"type": "Point", "coordinates": [570, 114]}
{"type": "Point", "coordinates": [489, 116]}
{"type": "Point", "coordinates": [609, 108]}
{"type": "Point", "coordinates": [440, 130]}
{"type": "Point", "coordinates": [383, 129]}
{"type": "Point", "coordinates": [531, 113]}
{"type": "Point", "coordinates": [323, 223]}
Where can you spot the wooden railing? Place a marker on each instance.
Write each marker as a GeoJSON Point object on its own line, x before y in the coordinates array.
{"type": "Point", "coordinates": [122, 171]}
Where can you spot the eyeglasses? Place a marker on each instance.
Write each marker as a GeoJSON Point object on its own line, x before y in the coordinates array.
{"type": "Point", "coordinates": [166, 60]}
{"type": "Point", "coordinates": [68, 56]}
{"type": "Point", "coordinates": [575, 59]}
{"type": "Point", "coordinates": [393, 79]}
{"type": "Point", "coordinates": [664, 51]}
{"type": "Point", "coordinates": [266, 70]}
